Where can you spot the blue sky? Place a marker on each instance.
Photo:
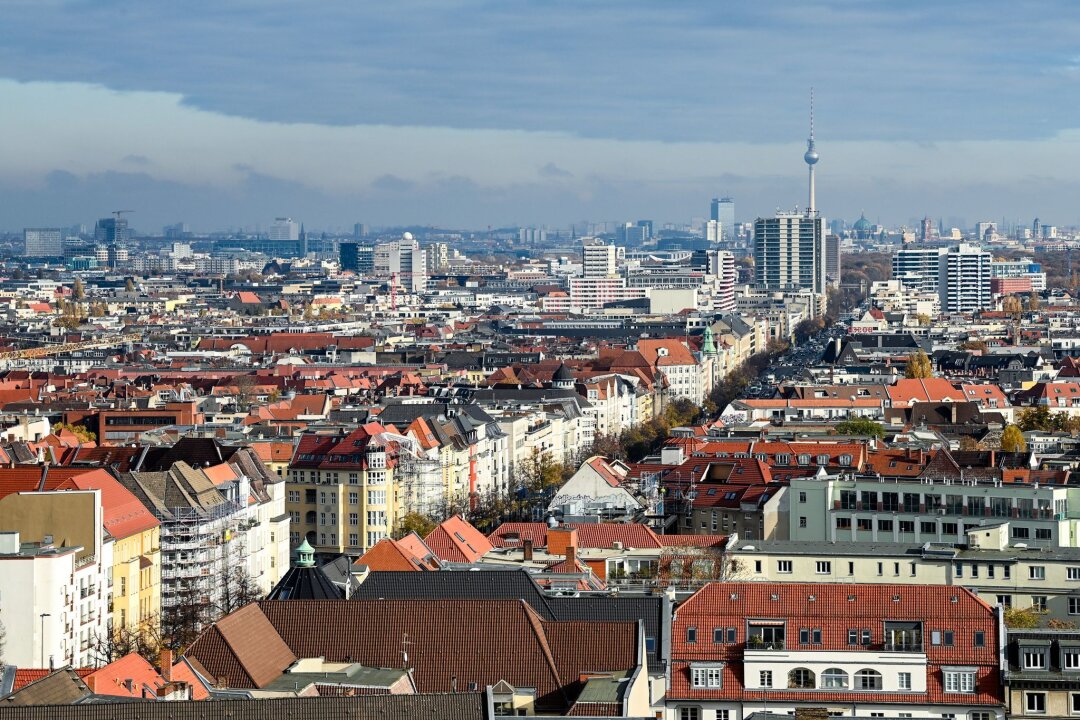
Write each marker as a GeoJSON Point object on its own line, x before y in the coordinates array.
{"type": "Point", "coordinates": [503, 112]}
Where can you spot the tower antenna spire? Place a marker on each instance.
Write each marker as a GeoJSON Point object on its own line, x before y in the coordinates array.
{"type": "Point", "coordinates": [811, 157]}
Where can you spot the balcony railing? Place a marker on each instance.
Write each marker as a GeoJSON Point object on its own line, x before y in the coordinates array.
{"type": "Point", "coordinates": [913, 646]}
{"type": "Point", "coordinates": [759, 644]}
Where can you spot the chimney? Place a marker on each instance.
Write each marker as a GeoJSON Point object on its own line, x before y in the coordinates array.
{"type": "Point", "coordinates": [571, 553]}
{"type": "Point", "coordinates": [91, 683]}
{"type": "Point", "coordinates": [129, 684]}
{"type": "Point", "coordinates": [527, 547]}
{"type": "Point", "coordinates": [166, 662]}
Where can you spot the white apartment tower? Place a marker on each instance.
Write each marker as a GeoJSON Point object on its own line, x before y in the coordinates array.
{"type": "Point", "coordinates": [722, 266]}
{"type": "Point", "coordinates": [405, 260]}
{"type": "Point", "coordinates": [964, 279]}
{"type": "Point", "coordinates": [918, 268]}
{"type": "Point", "coordinates": [597, 258]}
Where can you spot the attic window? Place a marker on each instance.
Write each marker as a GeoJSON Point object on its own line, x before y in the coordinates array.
{"type": "Point", "coordinates": [783, 459]}
{"type": "Point", "coordinates": [896, 598]}
{"type": "Point", "coordinates": [774, 596]}
{"type": "Point", "coordinates": [954, 599]}
{"type": "Point", "coordinates": [822, 459]}
{"type": "Point", "coordinates": [845, 460]}
{"type": "Point", "coordinates": [804, 459]}
{"type": "Point", "coordinates": [734, 596]}
{"type": "Point", "coordinates": [729, 496]}
{"type": "Point", "coordinates": [812, 598]}
{"type": "Point", "coordinates": [712, 491]}
{"type": "Point", "coordinates": [851, 598]}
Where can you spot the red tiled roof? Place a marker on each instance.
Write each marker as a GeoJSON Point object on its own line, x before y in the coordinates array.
{"type": "Point", "coordinates": [455, 540]}
{"type": "Point", "coordinates": [25, 676]}
{"type": "Point", "coordinates": [590, 535]}
{"type": "Point", "coordinates": [124, 514]}
{"type": "Point", "coordinates": [834, 608]}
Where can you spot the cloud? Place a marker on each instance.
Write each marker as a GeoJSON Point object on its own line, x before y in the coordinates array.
{"type": "Point", "coordinates": [141, 160]}
{"type": "Point", "coordinates": [551, 170]}
{"type": "Point", "coordinates": [691, 70]}
{"type": "Point", "coordinates": [392, 183]}
{"type": "Point", "coordinates": [215, 171]}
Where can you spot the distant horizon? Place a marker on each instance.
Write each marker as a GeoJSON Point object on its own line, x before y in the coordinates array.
{"type": "Point", "coordinates": [447, 114]}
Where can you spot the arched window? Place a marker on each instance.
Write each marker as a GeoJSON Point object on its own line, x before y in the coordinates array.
{"type": "Point", "coordinates": [801, 678]}
{"type": "Point", "coordinates": [834, 678]}
{"type": "Point", "coordinates": [867, 679]}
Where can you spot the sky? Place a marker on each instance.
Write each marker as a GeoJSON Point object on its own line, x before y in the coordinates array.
{"type": "Point", "coordinates": [468, 114]}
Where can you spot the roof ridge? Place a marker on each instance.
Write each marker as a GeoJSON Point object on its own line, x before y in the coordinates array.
{"type": "Point", "coordinates": [537, 624]}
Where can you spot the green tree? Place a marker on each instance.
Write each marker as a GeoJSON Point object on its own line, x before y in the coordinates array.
{"type": "Point", "coordinates": [80, 431]}
{"type": "Point", "coordinates": [918, 365]}
{"type": "Point", "coordinates": [860, 426]}
{"type": "Point", "coordinates": [415, 522]}
{"type": "Point", "coordinates": [1012, 440]}
{"type": "Point", "coordinates": [1021, 618]}
{"type": "Point", "coordinates": [540, 473]}
{"type": "Point", "coordinates": [924, 319]}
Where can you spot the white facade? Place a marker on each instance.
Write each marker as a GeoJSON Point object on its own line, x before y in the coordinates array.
{"type": "Point", "coordinates": [964, 279]}
{"type": "Point", "coordinates": [789, 252]}
{"type": "Point", "coordinates": [405, 260]}
{"type": "Point", "coordinates": [722, 266]}
{"type": "Point", "coordinates": [918, 268]}
{"type": "Point", "coordinates": [53, 604]}
{"type": "Point", "coordinates": [284, 228]}
{"type": "Point", "coordinates": [598, 259]}
{"type": "Point", "coordinates": [43, 242]}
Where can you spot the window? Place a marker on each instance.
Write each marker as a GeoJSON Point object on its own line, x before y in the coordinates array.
{"type": "Point", "coordinates": [907, 526]}
{"type": "Point", "coordinates": [1038, 603]}
{"type": "Point", "coordinates": [1034, 658]}
{"type": "Point", "coordinates": [709, 676]}
{"type": "Point", "coordinates": [376, 517]}
{"type": "Point", "coordinates": [1020, 533]}
{"type": "Point", "coordinates": [1004, 601]}
{"type": "Point", "coordinates": [843, 523]}
{"type": "Point", "coordinates": [1074, 606]}
{"type": "Point", "coordinates": [823, 567]}
{"type": "Point", "coordinates": [1070, 659]}
{"type": "Point", "coordinates": [802, 497]}
{"type": "Point", "coordinates": [689, 713]}
{"type": "Point", "coordinates": [867, 679]}
{"type": "Point", "coordinates": [1073, 573]}
{"type": "Point", "coordinates": [691, 634]}
{"type": "Point", "coordinates": [354, 519]}
{"type": "Point", "coordinates": [948, 638]}
{"type": "Point", "coordinates": [1037, 572]}
{"type": "Point", "coordinates": [801, 678]}
{"type": "Point", "coordinates": [927, 527]}
{"type": "Point", "coordinates": [865, 524]}
{"type": "Point", "coordinates": [866, 636]}
{"type": "Point", "coordinates": [717, 635]}
{"type": "Point", "coordinates": [1035, 702]}
{"type": "Point", "coordinates": [853, 636]}
{"type": "Point", "coordinates": [834, 678]}
{"type": "Point", "coordinates": [903, 681]}
{"type": "Point", "coordinates": [979, 640]}
{"type": "Point", "coordinates": [376, 497]}
{"type": "Point", "coordinates": [959, 681]}
{"type": "Point", "coordinates": [1042, 533]}
{"type": "Point", "coordinates": [354, 539]}
{"type": "Point", "coordinates": [884, 525]}
{"type": "Point", "coordinates": [765, 678]}
{"type": "Point", "coordinates": [354, 498]}
{"type": "Point", "coordinates": [981, 715]}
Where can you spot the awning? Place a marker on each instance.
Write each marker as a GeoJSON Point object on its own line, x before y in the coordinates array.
{"type": "Point", "coordinates": [765, 623]}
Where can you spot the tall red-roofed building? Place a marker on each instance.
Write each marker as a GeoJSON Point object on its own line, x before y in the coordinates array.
{"type": "Point", "coordinates": [862, 650]}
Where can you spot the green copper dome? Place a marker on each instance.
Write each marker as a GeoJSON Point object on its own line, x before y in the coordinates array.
{"type": "Point", "coordinates": [305, 555]}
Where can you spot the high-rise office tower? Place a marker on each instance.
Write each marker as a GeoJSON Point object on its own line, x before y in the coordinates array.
{"type": "Point", "coordinates": [405, 260]}
{"type": "Point", "coordinates": [927, 229]}
{"type": "Point", "coordinates": [284, 228]}
{"type": "Point", "coordinates": [832, 260]}
{"type": "Point", "coordinates": [647, 225]}
{"type": "Point", "coordinates": [789, 248]}
{"type": "Point", "coordinates": [43, 242]}
{"type": "Point", "coordinates": [722, 210]}
{"type": "Point", "coordinates": [109, 231]}
{"type": "Point", "coordinates": [964, 279]}
{"type": "Point", "coordinates": [917, 268]}
{"type": "Point", "coordinates": [597, 258]}
{"type": "Point", "coordinates": [359, 230]}
{"type": "Point", "coordinates": [357, 257]}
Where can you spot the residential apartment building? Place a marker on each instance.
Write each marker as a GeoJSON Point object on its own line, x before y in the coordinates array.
{"type": "Point", "coordinates": [1012, 576]}
{"type": "Point", "coordinates": [342, 492]}
{"type": "Point", "coordinates": [964, 279]}
{"type": "Point", "coordinates": [789, 252]}
{"type": "Point", "coordinates": [855, 650]}
{"type": "Point", "coordinates": [1043, 672]}
{"type": "Point", "coordinates": [918, 268]}
{"type": "Point", "coordinates": [597, 258]}
{"type": "Point", "coordinates": [54, 599]}
{"type": "Point", "coordinates": [930, 506]}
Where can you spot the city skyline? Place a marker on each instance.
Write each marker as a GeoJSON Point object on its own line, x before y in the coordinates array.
{"type": "Point", "coordinates": [445, 115]}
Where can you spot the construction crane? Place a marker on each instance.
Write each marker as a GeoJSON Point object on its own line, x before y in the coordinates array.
{"type": "Point", "coordinates": [120, 213]}
{"type": "Point", "coordinates": [47, 350]}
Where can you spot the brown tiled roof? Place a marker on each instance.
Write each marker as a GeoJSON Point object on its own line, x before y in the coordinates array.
{"type": "Point", "coordinates": [459, 706]}
{"type": "Point", "coordinates": [244, 649]}
{"type": "Point", "coordinates": [450, 643]}
{"type": "Point", "coordinates": [62, 687]}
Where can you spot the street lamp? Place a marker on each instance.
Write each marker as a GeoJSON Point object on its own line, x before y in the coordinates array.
{"type": "Point", "coordinates": [43, 616]}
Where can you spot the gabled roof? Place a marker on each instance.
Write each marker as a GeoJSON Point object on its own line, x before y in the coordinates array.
{"type": "Point", "coordinates": [243, 649]}
{"type": "Point", "coordinates": [405, 554]}
{"type": "Point", "coordinates": [590, 535]}
{"type": "Point", "coordinates": [455, 540]}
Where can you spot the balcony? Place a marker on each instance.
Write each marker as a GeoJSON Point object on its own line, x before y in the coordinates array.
{"type": "Point", "coordinates": [755, 643]}
{"type": "Point", "coordinates": [908, 646]}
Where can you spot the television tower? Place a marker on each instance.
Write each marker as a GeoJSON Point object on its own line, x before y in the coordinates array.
{"type": "Point", "coordinates": [811, 157]}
